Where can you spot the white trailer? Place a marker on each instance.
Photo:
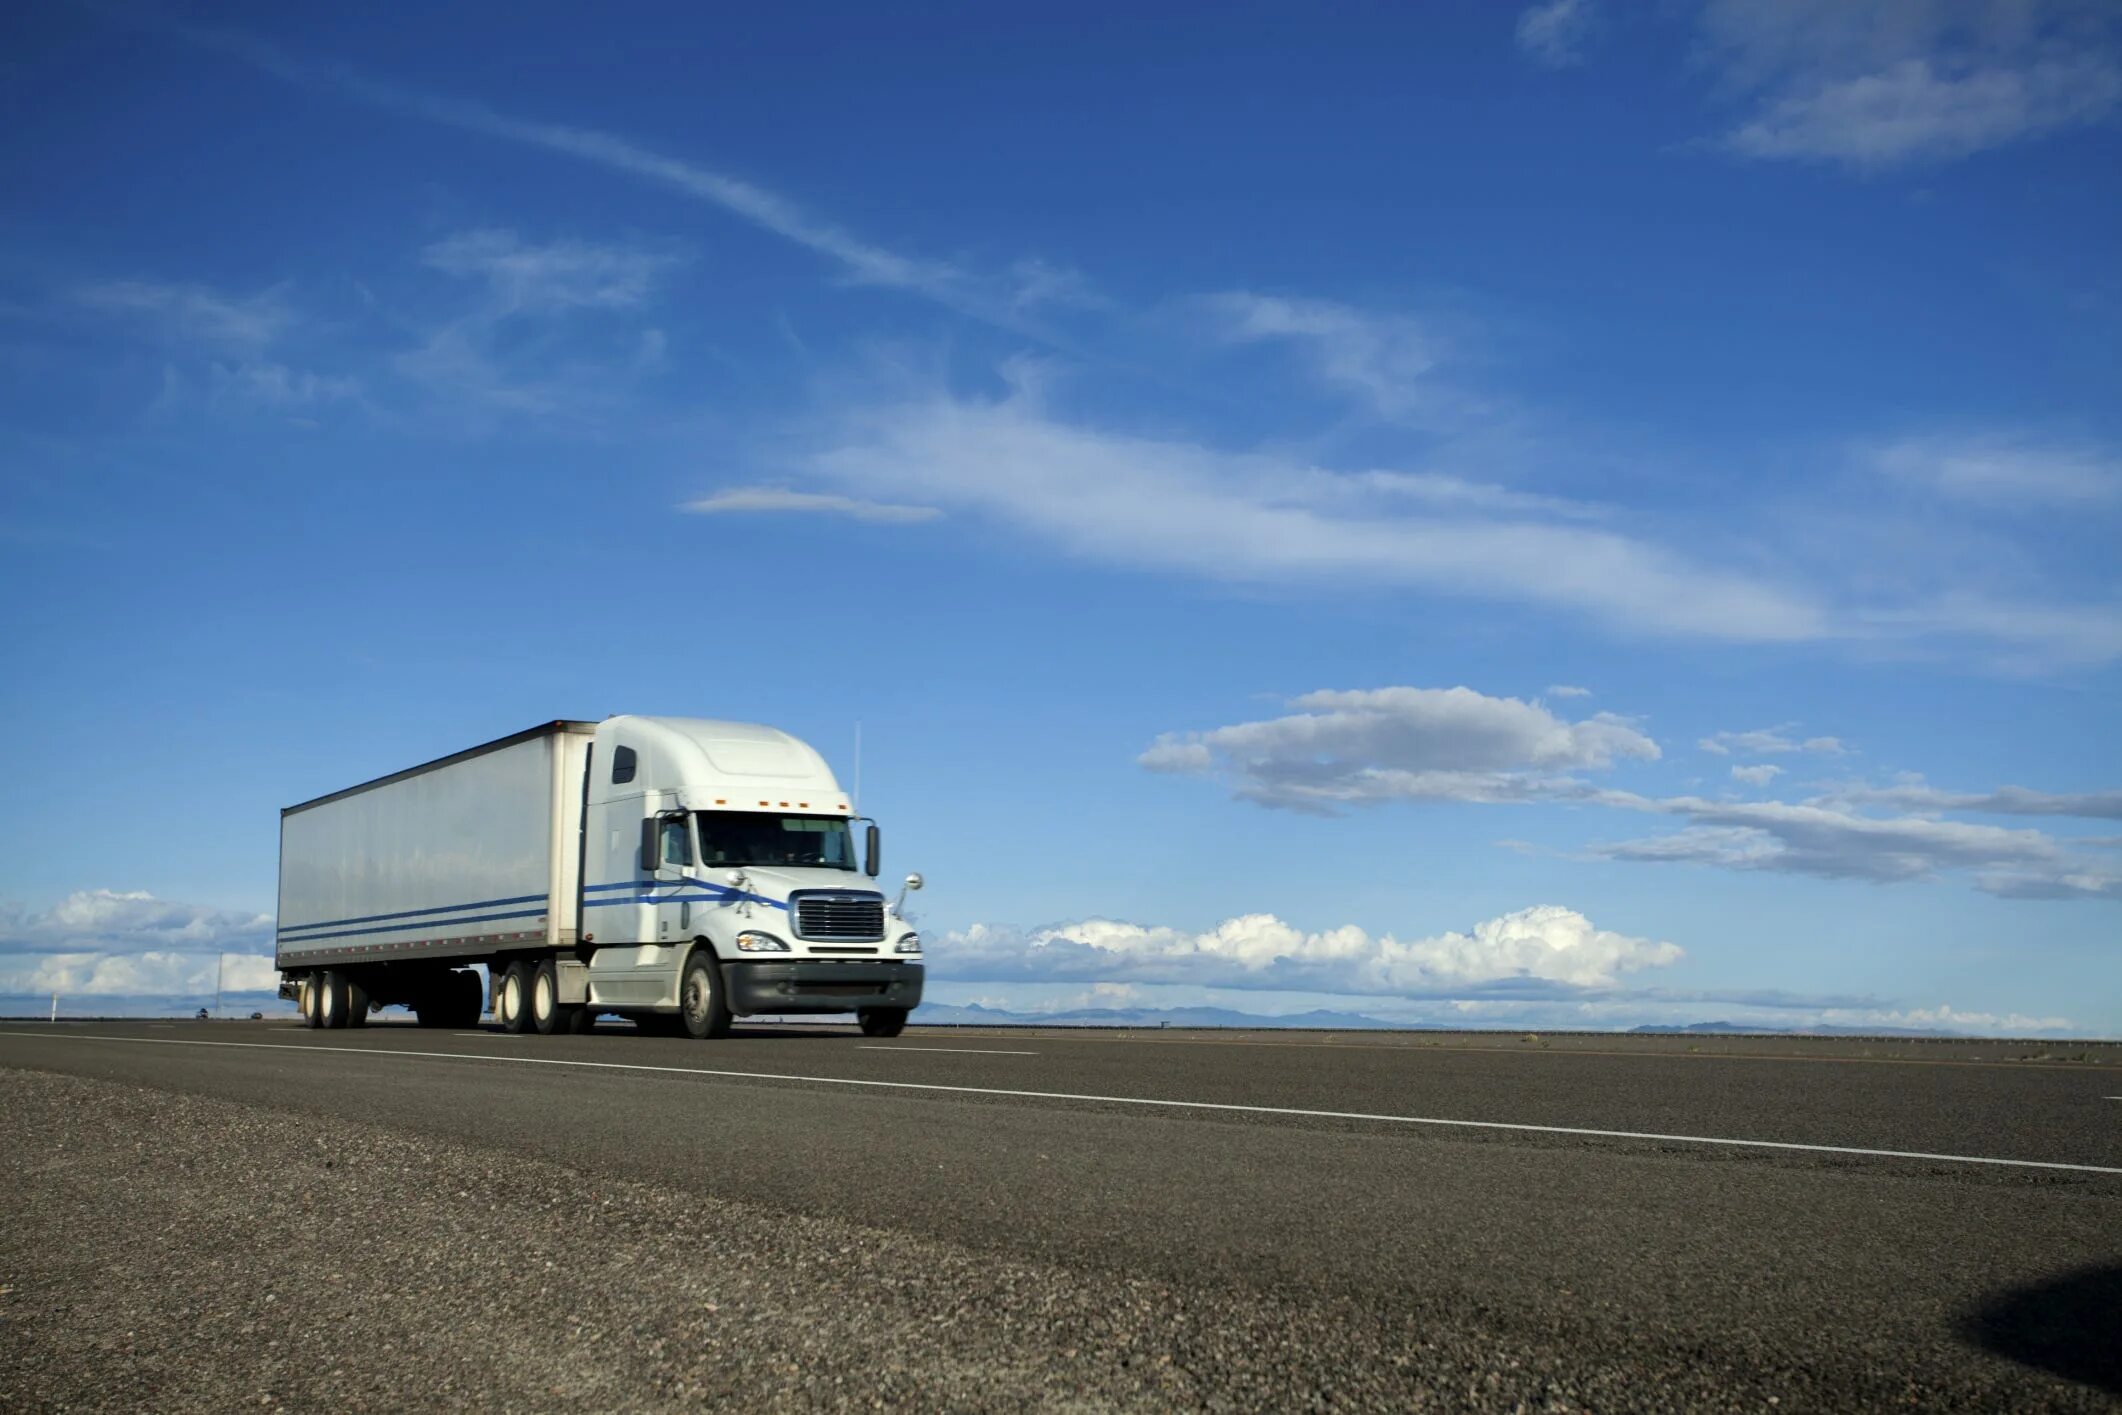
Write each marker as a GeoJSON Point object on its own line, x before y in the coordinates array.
{"type": "Point", "coordinates": [677, 871]}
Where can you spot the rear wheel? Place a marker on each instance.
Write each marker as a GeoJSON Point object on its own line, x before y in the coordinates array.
{"type": "Point", "coordinates": [882, 1021]}
{"type": "Point", "coordinates": [700, 1000]}
{"type": "Point", "coordinates": [548, 1013]}
{"type": "Point", "coordinates": [513, 1003]}
{"type": "Point", "coordinates": [331, 1000]}
{"type": "Point", "coordinates": [306, 1001]}
{"type": "Point", "coordinates": [356, 1004]}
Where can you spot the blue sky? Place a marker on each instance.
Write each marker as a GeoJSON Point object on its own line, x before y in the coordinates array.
{"type": "Point", "coordinates": [1581, 515]}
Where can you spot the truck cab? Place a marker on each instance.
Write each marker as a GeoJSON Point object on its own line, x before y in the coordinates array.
{"type": "Point", "coordinates": [724, 873]}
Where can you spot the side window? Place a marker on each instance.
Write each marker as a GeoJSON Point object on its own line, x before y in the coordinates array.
{"type": "Point", "coordinates": [622, 766]}
{"type": "Point", "coordinates": [677, 846]}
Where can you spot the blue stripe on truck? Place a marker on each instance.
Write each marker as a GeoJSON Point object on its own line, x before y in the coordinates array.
{"type": "Point", "coordinates": [413, 914]}
{"type": "Point", "coordinates": [451, 922]}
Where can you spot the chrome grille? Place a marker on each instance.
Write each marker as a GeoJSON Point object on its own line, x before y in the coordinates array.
{"type": "Point", "coordinates": [839, 916]}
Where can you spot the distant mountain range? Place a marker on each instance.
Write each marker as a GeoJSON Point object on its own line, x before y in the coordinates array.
{"type": "Point", "coordinates": [973, 1014]}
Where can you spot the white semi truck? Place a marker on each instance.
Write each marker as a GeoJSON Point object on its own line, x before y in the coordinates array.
{"type": "Point", "coordinates": [677, 871]}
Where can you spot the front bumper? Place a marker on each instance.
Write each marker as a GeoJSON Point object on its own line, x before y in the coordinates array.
{"type": "Point", "coordinates": [820, 987]}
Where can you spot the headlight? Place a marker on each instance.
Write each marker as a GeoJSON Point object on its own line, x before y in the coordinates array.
{"type": "Point", "coordinates": [750, 942]}
{"type": "Point", "coordinates": [910, 944]}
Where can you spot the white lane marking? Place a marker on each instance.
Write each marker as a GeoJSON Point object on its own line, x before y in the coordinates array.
{"type": "Point", "coordinates": [1103, 1100]}
{"type": "Point", "coordinates": [950, 1051]}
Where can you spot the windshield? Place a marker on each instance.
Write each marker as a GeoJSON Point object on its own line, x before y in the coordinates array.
{"type": "Point", "coordinates": [756, 838]}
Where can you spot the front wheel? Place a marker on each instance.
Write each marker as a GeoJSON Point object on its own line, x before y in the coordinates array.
{"type": "Point", "coordinates": [700, 1000]}
{"type": "Point", "coordinates": [882, 1021]}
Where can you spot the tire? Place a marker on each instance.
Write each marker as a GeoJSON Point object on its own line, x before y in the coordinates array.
{"type": "Point", "coordinates": [582, 1019]}
{"type": "Point", "coordinates": [512, 1002]}
{"type": "Point", "coordinates": [331, 1000]}
{"type": "Point", "coordinates": [306, 1001]}
{"type": "Point", "coordinates": [701, 1005]}
{"type": "Point", "coordinates": [356, 1004]}
{"type": "Point", "coordinates": [882, 1021]}
{"type": "Point", "coordinates": [548, 1013]}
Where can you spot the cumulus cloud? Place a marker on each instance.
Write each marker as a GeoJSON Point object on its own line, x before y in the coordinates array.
{"type": "Point", "coordinates": [106, 943]}
{"type": "Point", "coordinates": [1349, 747]}
{"type": "Point", "coordinates": [1873, 86]}
{"type": "Point", "coordinates": [1343, 750]}
{"type": "Point", "coordinates": [1769, 741]}
{"type": "Point", "coordinates": [1546, 947]}
{"type": "Point", "coordinates": [130, 919]}
{"type": "Point", "coordinates": [1553, 33]}
{"type": "Point", "coordinates": [151, 974]}
{"type": "Point", "coordinates": [779, 499]}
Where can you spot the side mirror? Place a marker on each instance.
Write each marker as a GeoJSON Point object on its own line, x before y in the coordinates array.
{"type": "Point", "coordinates": [914, 881]}
{"type": "Point", "coordinates": [873, 851]}
{"type": "Point", "coordinates": [651, 845]}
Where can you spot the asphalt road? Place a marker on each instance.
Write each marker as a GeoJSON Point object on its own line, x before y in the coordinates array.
{"type": "Point", "coordinates": [1016, 1218]}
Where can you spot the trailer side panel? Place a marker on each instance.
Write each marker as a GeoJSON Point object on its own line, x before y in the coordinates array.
{"type": "Point", "coordinates": [471, 856]}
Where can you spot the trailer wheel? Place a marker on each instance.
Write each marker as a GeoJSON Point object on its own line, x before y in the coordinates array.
{"type": "Point", "coordinates": [356, 1004]}
{"type": "Point", "coordinates": [700, 1000]}
{"type": "Point", "coordinates": [306, 1001]}
{"type": "Point", "coordinates": [882, 1021]}
{"type": "Point", "coordinates": [514, 1001]}
{"type": "Point", "coordinates": [548, 1014]}
{"type": "Point", "coordinates": [331, 999]}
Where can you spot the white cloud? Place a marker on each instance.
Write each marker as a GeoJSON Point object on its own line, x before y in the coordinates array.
{"type": "Point", "coordinates": [1917, 795]}
{"type": "Point", "coordinates": [1553, 33]}
{"type": "Point", "coordinates": [275, 385]}
{"type": "Point", "coordinates": [1566, 690]}
{"type": "Point", "coordinates": [1381, 744]}
{"type": "Point", "coordinates": [151, 974]}
{"type": "Point", "coordinates": [191, 312]}
{"type": "Point", "coordinates": [1384, 360]}
{"type": "Point", "coordinates": [1875, 85]}
{"type": "Point", "coordinates": [1769, 741]}
{"type": "Point", "coordinates": [1822, 841]}
{"type": "Point", "coordinates": [555, 332]}
{"type": "Point", "coordinates": [1542, 945]}
{"type": "Point", "coordinates": [998, 299]}
{"type": "Point", "coordinates": [778, 499]}
{"type": "Point", "coordinates": [556, 274]}
{"type": "Point", "coordinates": [103, 942]}
{"type": "Point", "coordinates": [1346, 749]}
{"type": "Point", "coordinates": [136, 918]}
{"type": "Point", "coordinates": [2013, 473]}
{"type": "Point", "coordinates": [1184, 507]}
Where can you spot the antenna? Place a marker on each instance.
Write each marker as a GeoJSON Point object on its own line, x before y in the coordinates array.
{"type": "Point", "coordinates": [856, 795]}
